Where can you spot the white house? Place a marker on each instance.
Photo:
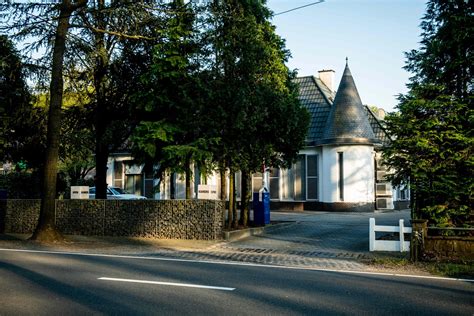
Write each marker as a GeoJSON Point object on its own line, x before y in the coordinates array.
{"type": "Point", "coordinates": [338, 170]}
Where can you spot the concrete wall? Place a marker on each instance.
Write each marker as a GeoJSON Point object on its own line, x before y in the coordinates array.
{"type": "Point", "coordinates": [170, 219]}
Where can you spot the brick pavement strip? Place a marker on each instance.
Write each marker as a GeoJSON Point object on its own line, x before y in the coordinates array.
{"type": "Point", "coordinates": [280, 259]}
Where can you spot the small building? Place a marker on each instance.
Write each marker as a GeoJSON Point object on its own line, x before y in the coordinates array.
{"type": "Point", "coordinates": [338, 170]}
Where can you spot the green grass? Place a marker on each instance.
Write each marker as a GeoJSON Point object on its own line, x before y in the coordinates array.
{"type": "Point", "coordinates": [391, 262]}
{"type": "Point", "coordinates": [446, 269]}
{"type": "Point", "coordinates": [453, 270]}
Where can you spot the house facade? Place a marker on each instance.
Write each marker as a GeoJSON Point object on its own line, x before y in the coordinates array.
{"type": "Point", "coordinates": [338, 170]}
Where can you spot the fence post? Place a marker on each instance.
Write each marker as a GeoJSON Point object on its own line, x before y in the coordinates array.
{"type": "Point", "coordinates": [419, 228]}
{"type": "Point", "coordinates": [402, 237]}
{"type": "Point", "coordinates": [372, 234]}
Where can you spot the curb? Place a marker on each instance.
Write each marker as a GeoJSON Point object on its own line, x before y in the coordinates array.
{"type": "Point", "coordinates": [253, 231]}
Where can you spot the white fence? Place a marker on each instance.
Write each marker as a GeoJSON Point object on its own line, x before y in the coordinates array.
{"type": "Point", "coordinates": [388, 245]}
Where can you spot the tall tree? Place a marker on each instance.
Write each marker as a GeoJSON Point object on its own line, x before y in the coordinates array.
{"type": "Point", "coordinates": [253, 95]}
{"type": "Point", "coordinates": [172, 133]}
{"type": "Point", "coordinates": [15, 107]}
{"type": "Point", "coordinates": [432, 131]}
{"type": "Point", "coordinates": [46, 229]}
{"type": "Point", "coordinates": [445, 57]}
{"type": "Point", "coordinates": [114, 42]}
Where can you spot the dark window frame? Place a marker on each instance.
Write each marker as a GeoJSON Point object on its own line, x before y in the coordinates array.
{"type": "Point", "coordinates": [340, 162]}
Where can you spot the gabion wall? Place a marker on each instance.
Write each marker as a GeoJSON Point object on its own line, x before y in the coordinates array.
{"type": "Point", "coordinates": [170, 219]}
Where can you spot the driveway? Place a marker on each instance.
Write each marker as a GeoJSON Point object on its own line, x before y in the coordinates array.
{"type": "Point", "coordinates": [321, 232]}
{"type": "Point", "coordinates": [309, 239]}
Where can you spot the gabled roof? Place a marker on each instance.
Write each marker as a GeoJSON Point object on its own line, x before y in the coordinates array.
{"type": "Point", "coordinates": [339, 119]}
{"type": "Point", "coordinates": [377, 127]}
{"type": "Point", "coordinates": [317, 99]}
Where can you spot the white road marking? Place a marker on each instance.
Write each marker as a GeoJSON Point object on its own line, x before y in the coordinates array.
{"type": "Point", "coordinates": [234, 263]}
{"type": "Point", "coordinates": [170, 284]}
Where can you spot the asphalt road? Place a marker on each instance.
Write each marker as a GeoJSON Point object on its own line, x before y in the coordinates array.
{"type": "Point", "coordinates": [39, 283]}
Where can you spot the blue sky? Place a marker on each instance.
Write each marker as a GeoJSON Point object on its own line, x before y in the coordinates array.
{"type": "Point", "coordinates": [373, 34]}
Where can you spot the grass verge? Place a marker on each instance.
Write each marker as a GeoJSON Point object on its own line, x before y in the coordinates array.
{"type": "Point", "coordinates": [462, 270]}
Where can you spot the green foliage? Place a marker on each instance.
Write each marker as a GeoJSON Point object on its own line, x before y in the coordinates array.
{"type": "Point", "coordinates": [77, 143]}
{"type": "Point", "coordinates": [445, 57]}
{"type": "Point", "coordinates": [432, 132]}
{"type": "Point", "coordinates": [254, 108]}
{"type": "Point", "coordinates": [253, 97]}
{"type": "Point", "coordinates": [150, 137]}
{"type": "Point", "coordinates": [22, 126]}
{"type": "Point", "coordinates": [433, 147]}
{"type": "Point", "coordinates": [21, 185]}
{"type": "Point", "coordinates": [171, 133]}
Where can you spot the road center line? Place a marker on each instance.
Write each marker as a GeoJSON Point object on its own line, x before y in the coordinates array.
{"type": "Point", "coordinates": [169, 284]}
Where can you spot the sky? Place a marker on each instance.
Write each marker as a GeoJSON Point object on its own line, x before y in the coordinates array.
{"type": "Point", "coordinates": [373, 34]}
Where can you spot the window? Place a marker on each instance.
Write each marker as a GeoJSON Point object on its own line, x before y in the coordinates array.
{"type": "Point", "coordinates": [149, 181]}
{"type": "Point", "coordinates": [275, 183]}
{"type": "Point", "coordinates": [340, 159]}
{"type": "Point", "coordinates": [257, 181]}
{"type": "Point", "coordinates": [287, 184]}
{"type": "Point", "coordinates": [312, 177]}
{"type": "Point", "coordinates": [118, 174]}
{"type": "Point", "coordinates": [238, 185]}
{"type": "Point", "coordinates": [180, 186]}
{"type": "Point", "coordinates": [134, 184]}
{"type": "Point", "coordinates": [299, 172]}
{"type": "Point", "coordinates": [404, 193]}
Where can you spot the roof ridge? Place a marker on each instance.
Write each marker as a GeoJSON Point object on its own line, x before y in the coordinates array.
{"type": "Point", "coordinates": [315, 80]}
{"type": "Point", "coordinates": [304, 77]}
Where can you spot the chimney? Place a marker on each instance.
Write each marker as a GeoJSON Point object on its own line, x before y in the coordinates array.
{"type": "Point", "coordinates": [381, 114]}
{"type": "Point", "coordinates": [327, 77]}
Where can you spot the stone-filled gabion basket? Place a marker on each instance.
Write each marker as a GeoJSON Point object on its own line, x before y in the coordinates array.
{"type": "Point", "coordinates": [168, 219]}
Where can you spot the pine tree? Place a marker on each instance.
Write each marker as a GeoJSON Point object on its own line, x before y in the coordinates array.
{"type": "Point", "coordinates": [432, 131]}
{"type": "Point", "coordinates": [253, 95]}
{"type": "Point", "coordinates": [14, 97]}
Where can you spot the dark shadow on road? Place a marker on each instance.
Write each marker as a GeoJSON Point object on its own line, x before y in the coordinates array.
{"type": "Point", "coordinates": [97, 303]}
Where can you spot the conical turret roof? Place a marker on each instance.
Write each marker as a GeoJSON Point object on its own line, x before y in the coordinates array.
{"type": "Point", "coordinates": [347, 122]}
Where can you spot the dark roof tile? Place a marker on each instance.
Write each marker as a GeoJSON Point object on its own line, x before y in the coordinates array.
{"type": "Point", "coordinates": [347, 122]}
{"type": "Point", "coordinates": [317, 103]}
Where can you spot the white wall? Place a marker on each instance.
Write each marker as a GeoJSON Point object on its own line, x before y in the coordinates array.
{"type": "Point", "coordinates": [359, 175]}
{"type": "Point", "coordinates": [110, 171]}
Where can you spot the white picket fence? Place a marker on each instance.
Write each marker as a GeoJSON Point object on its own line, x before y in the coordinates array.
{"type": "Point", "coordinates": [388, 245]}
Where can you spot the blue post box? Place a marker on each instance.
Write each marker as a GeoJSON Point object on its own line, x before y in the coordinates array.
{"type": "Point", "coordinates": [261, 208]}
{"type": "Point", "coordinates": [3, 194]}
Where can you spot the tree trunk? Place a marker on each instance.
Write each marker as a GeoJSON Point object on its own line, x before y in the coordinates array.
{"type": "Point", "coordinates": [173, 186]}
{"type": "Point", "coordinates": [231, 212]}
{"type": "Point", "coordinates": [235, 222]}
{"type": "Point", "coordinates": [101, 120]}
{"type": "Point", "coordinates": [223, 180]}
{"type": "Point", "coordinates": [188, 177]}
{"type": "Point", "coordinates": [245, 198]}
{"type": "Point", "coordinates": [46, 229]}
{"type": "Point", "coordinates": [101, 157]}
